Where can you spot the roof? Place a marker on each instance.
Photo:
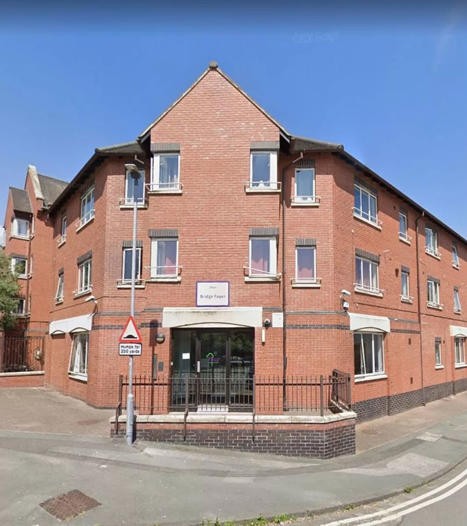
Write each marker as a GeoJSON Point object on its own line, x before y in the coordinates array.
{"type": "Point", "coordinates": [299, 144]}
{"type": "Point", "coordinates": [51, 188]}
{"type": "Point", "coordinates": [20, 200]}
{"type": "Point", "coordinates": [121, 149]}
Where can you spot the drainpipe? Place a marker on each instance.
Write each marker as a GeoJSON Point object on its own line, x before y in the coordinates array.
{"type": "Point", "coordinates": [284, 327]}
{"type": "Point", "coordinates": [28, 268]}
{"type": "Point", "coordinates": [419, 306]}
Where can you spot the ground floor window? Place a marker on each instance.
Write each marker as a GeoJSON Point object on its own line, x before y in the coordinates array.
{"type": "Point", "coordinates": [438, 359]}
{"type": "Point", "coordinates": [369, 354]}
{"type": "Point", "coordinates": [459, 351]}
{"type": "Point", "coordinates": [79, 355]}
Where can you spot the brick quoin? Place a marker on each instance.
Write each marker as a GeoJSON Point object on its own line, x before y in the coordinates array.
{"type": "Point", "coordinates": [215, 124]}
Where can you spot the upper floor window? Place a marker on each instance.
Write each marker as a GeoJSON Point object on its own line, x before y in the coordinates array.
{"type": "Point", "coordinates": [79, 355]}
{"type": "Point", "coordinates": [305, 267]}
{"type": "Point", "coordinates": [403, 225]}
{"type": "Point", "coordinates": [165, 175]}
{"type": "Point", "coordinates": [164, 258]}
{"type": "Point", "coordinates": [455, 256]}
{"type": "Point", "coordinates": [20, 227]}
{"type": "Point", "coordinates": [63, 225]}
{"type": "Point", "coordinates": [365, 204]}
{"type": "Point", "coordinates": [405, 284]}
{"type": "Point", "coordinates": [431, 242]}
{"type": "Point", "coordinates": [20, 309]}
{"type": "Point", "coordinates": [305, 185]}
{"type": "Point", "coordinates": [368, 354]}
{"type": "Point", "coordinates": [263, 170]}
{"type": "Point", "coordinates": [457, 301]}
{"type": "Point", "coordinates": [60, 288]}
{"type": "Point", "coordinates": [87, 206]}
{"type": "Point", "coordinates": [127, 265]}
{"type": "Point", "coordinates": [459, 351]}
{"type": "Point", "coordinates": [85, 276]}
{"type": "Point", "coordinates": [263, 257]}
{"type": "Point", "coordinates": [19, 266]}
{"type": "Point", "coordinates": [134, 187]}
{"type": "Point", "coordinates": [433, 293]}
{"type": "Point", "coordinates": [366, 274]}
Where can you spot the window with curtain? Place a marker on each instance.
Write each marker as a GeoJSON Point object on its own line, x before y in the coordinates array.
{"type": "Point", "coordinates": [79, 355]}
{"type": "Point", "coordinates": [164, 258]}
{"type": "Point", "coordinates": [262, 256]}
{"type": "Point", "coordinates": [368, 354]}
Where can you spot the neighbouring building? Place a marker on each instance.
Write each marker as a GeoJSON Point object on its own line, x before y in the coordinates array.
{"type": "Point", "coordinates": [265, 262]}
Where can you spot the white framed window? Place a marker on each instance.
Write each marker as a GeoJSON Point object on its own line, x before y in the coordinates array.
{"type": "Point", "coordinates": [63, 225]}
{"type": "Point", "coordinates": [455, 256]}
{"type": "Point", "coordinates": [433, 292]}
{"type": "Point", "coordinates": [60, 288]}
{"type": "Point", "coordinates": [165, 172]}
{"type": "Point", "coordinates": [365, 204]}
{"type": "Point", "coordinates": [263, 257]}
{"type": "Point", "coordinates": [87, 206]}
{"type": "Point", "coordinates": [304, 185]}
{"type": "Point", "coordinates": [368, 354]}
{"type": "Point", "coordinates": [20, 227]}
{"type": "Point", "coordinates": [79, 355]}
{"type": "Point", "coordinates": [457, 301]}
{"type": "Point", "coordinates": [134, 187]}
{"type": "Point", "coordinates": [405, 284]}
{"type": "Point", "coordinates": [263, 170]}
{"type": "Point", "coordinates": [85, 276]}
{"type": "Point", "coordinates": [164, 258]}
{"type": "Point", "coordinates": [126, 265]}
{"type": "Point", "coordinates": [431, 242]}
{"type": "Point", "coordinates": [438, 356]}
{"type": "Point", "coordinates": [20, 307]}
{"type": "Point", "coordinates": [403, 225]}
{"type": "Point", "coordinates": [366, 275]}
{"type": "Point", "coordinates": [305, 264]}
{"type": "Point", "coordinates": [459, 350]}
{"type": "Point", "coordinates": [19, 266]}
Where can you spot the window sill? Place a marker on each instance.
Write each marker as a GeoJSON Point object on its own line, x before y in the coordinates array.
{"type": "Point", "coordinates": [367, 221]}
{"type": "Point", "coordinates": [433, 254]}
{"type": "Point", "coordinates": [19, 315]}
{"type": "Point", "coordinates": [131, 207]}
{"type": "Point", "coordinates": [82, 293]}
{"type": "Point", "coordinates": [457, 267]}
{"type": "Point", "coordinates": [439, 367]}
{"type": "Point", "coordinates": [24, 276]}
{"type": "Point", "coordinates": [306, 284]}
{"type": "Point", "coordinates": [262, 279]}
{"type": "Point", "coordinates": [435, 306]}
{"type": "Point", "coordinates": [85, 224]}
{"type": "Point", "coordinates": [376, 294]}
{"type": "Point", "coordinates": [458, 312]}
{"type": "Point", "coordinates": [369, 378]}
{"type": "Point", "coordinates": [61, 243]}
{"type": "Point", "coordinates": [128, 286]}
{"type": "Point", "coordinates": [58, 301]}
{"type": "Point", "coordinates": [80, 377]}
{"type": "Point", "coordinates": [404, 240]}
{"type": "Point", "coordinates": [172, 279]}
{"type": "Point", "coordinates": [309, 204]}
{"type": "Point", "coordinates": [406, 300]}
{"type": "Point", "coordinates": [261, 190]}
{"type": "Point", "coordinates": [174, 191]}
{"type": "Point", "coordinates": [24, 238]}
{"type": "Point", "coordinates": [460, 365]}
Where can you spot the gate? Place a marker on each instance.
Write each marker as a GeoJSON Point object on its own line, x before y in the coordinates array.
{"type": "Point", "coordinates": [22, 353]}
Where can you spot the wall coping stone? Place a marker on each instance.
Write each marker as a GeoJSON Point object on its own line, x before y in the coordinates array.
{"type": "Point", "coordinates": [23, 373]}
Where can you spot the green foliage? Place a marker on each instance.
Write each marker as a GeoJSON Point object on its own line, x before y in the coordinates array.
{"type": "Point", "coordinates": [9, 291]}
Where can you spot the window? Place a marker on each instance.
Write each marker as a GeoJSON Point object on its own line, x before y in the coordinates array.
{"type": "Point", "coordinates": [365, 204]}
{"type": "Point", "coordinates": [20, 307]}
{"type": "Point", "coordinates": [405, 288]}
{"type": "Point", "coordinates": [263, 170]}
{"type": "Point", "coordinates": [305, 264]}
{"type": "Point", "coordinates": [457, 301]}
{"type": "Point", "coordinates": [84, 276]}
{"type": "Point", "coordinates": [79, 355]}
{"type": "Point", "coordinates": [60, 285]}
{"type": "Point", "coordinates": [455, 256]}
{"type": "Point", "coordinates": [368, 353]}
{"type": "Point", "coordinates": [433, 292]}
{"type": "Point", "coordinates": [263, 257]}
{"type": "Point", "coordinates": [438, 359]}
{"type": "Point", "coordinates": [459, 350]}
{"type": "Point", "coordinates": [164, 258]}
{"type": "Point", "coordinates": [126, 266]}
{"type": "Point", "coordinates": [403, 225]}
{"type": "Point", "coordinates": [431, 242]}
{"type": "Point", "coordinates": [87, 206]}
{"type": "Point", "coordinates": [20, 227]}
{"type": "Point", "coordinates": [366, 272]}
{"type": "Point", "coordinates": [165, 174]}
{"type": "Point", "coordinates": [63, 230]}
{"type": "Point", "coordinates": [19, 266]}
{"type": "Point", "coordinates": [134, 187]}
{"type": "Point", "coordinates": [304, 185]}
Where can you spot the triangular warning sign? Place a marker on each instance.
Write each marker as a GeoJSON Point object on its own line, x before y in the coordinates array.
{"type": "Point", "coordinates": [130, 333]}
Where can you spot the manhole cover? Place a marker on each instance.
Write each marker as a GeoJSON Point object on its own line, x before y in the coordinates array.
{"type": "Point", "coordinates": [69, 505]}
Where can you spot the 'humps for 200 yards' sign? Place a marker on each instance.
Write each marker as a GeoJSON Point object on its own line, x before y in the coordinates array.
{"type": "Point", "coordinates": [212, 294]}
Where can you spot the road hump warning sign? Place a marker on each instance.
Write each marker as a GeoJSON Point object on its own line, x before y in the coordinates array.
{"type": "Point", "coordinates": [130, 333]}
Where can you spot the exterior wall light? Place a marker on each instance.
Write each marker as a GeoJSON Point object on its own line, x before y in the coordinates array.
{"type": "Point", "coordinates": [160, 338]}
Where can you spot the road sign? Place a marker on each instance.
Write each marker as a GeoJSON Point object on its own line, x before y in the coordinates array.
{"type": "Point", "coordinates": [130, 333]}
{"type": "Point", "coordinates": [130, 349]}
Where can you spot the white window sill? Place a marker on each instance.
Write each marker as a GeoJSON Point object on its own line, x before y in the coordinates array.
{"type": "Point", "coordinates": [458, 312]}
{"type": "Point", "coordinates": [85, 224]}
{"type": "Point", "coordinates": [367, 221]}
{"type": "Point", "coordinates": [80, 377]}
{"type": "Point", "coordinates": [175, 191]}
{"type": "Point", "coordinates": [435, 306]}
{"type": "Point", "coordinates": [160, 279]}
{"type": "Point", "coordinates": [131, 207]}
{"type": "Point", "coordinates": [61, 243]}
{"type": "Point", "coordinates": [24, 238]}
{"type": "Point", "coordinates": [128, 286]}
{"type": "Point", "coordinates": [405, 240]}
{"type": "Point", "coordinates": [433, 254]}
{"type": "Point", "coordinates": [454, 265]}
{"type": "Point", "coordinates": [19, 315]}
{"type": "Point", "coordinates": [376, 294]}
{"type": "Point", "coordinates": [460, 365]}
{"type": "Point", "coordinates": [439, 367]}
{"type": "Point", "coordinates": [370, 377]}
{"type": "Point", "coordinates": [24, 276]}
{"type": "Point", "coordinates": [261, 190]}
{"type": "Point", "coordinates": [82, 293]}
{"type": "Point", "coordinates": [259, 279]}
{"type": "Point", "coordinates": [310, 203]}
{"type": "Point", "coordinates": [406, 299]}
{"type": "Point", "coordinates": [296, 284]}
{"type": "Point", "coordinates": [58, 301]}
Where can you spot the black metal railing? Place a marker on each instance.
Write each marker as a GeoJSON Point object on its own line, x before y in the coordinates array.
{"type": "Point", "coordinates": [21, 353]}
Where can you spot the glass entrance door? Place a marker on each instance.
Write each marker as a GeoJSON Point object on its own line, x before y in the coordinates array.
{"type": "Point", "coordinates": [212, 374]}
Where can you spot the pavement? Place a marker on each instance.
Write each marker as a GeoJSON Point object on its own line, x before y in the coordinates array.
{"type": "Point", "coordinates": [150, 483]}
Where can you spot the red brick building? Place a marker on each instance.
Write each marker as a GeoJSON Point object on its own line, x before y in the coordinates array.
{"type": "Point", "coordinates": [259, 253]}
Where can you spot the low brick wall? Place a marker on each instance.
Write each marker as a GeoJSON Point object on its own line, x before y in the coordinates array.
{"type": "Point", "coordinates": [304, 439]}
{"type": "Point", "coordinates": [27, 379]}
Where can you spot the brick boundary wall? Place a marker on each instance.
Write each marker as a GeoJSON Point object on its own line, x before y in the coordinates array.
{"type": "Point", "coordinates": [324, 441]}
{"type": "Point", "coordinates": [391, 405]}
{"type": "Point", "coordinates": [22, 380]}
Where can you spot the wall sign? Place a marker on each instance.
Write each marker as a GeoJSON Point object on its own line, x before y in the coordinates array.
{"type": "Point", "coordinates": [212, 293]}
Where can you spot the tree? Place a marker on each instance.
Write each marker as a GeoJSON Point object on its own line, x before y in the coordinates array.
{"type": "Point", "coordinates": [9, 293]}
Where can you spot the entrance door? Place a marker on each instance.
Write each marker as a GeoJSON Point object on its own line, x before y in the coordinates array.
{"type": "Point", "coordinates": [213, 367]}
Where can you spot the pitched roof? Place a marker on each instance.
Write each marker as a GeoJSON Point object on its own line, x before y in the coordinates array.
{"type": "Point", "coordinates": [51, 188]}
{"type": "Point", "coordinates": [299, 144]}
{"type": "Point", "coordinates": [121, 149]}
{"type": "Point", "coordinates": [20, 200]}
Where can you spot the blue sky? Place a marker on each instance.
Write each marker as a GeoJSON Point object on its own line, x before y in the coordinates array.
{"type": "Point", "coordinates": [390, 84]}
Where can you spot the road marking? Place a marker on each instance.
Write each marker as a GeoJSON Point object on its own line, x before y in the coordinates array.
{"type": "Point", "coordinates": [407, 503]}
